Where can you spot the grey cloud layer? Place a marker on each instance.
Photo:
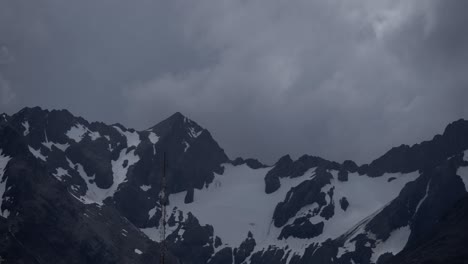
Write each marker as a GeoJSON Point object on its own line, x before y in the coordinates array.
{"type": "Point", "coordinates": [339, 79]}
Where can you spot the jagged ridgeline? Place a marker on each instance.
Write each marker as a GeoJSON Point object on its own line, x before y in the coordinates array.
{"type": "Point", "coordinates": [79, 192]}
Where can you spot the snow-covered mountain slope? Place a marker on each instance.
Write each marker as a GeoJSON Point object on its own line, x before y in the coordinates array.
{"type": "Point", "coordinates": [99, 186]}
{"type": "Point", "coordinates": [235, 204]}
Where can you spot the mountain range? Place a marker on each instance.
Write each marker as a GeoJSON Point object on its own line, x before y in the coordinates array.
{"type": "Point", "coordinates": [73, 191]}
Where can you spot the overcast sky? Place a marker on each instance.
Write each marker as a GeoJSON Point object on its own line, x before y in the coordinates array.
{"type": "Point", "coordinates": [342, 79]}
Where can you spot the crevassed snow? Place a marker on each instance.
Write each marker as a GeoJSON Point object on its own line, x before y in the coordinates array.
{"type": "Point", "coordinates": [37, 153]}
{"type": "Point", "coordinates": [138, 251]}
{"type": "Point", "coordinates": [133, 139]}
{"type": "Point", "coordinates": [26, 128]}
{"type": "Point", "coordinates": [145, 188]}
{"type": "Point", "coordinates": [394, 243]}
{"type": "Point", "coordinates": [3, 163]}
{"type": "Point", "coordinates": [77, 132]}
{"type": "Point", "coordinates": [94, 194]}
{"type": "Point", "coordinates": [463, 173]}
{"type": "Point", "coordinates": [424, 198]}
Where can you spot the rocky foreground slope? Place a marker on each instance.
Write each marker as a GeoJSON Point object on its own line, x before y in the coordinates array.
{"type": "Point", "coordinates": [79, 192]}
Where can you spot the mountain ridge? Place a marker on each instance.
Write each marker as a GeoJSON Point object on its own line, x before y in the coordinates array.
{"type": "Point", "coordinates": [220, 210]}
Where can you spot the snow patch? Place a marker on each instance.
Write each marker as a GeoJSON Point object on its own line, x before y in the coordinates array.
{"type": "Point", "coordinates": [77, 132]}
{"type": "Point", "coordinates": [62, 147]}
{"type": "Point", "coordinates": [193, 133]}
{"type": "Point", "coordinates": [152, 211]}
{"type": "Point", "coordinates": [463, 173]}
{"type": "Point", "coordinates": [186, 145]}
{"type": "Point", "coordinates": [153, 137]}
{"type": "Point", "coordinates": [94, 194]}
{"type": "Point", "coordinates": [145, 188]}
{"type": "Point", "coordinates": [348, 247]}
{"type": "Point", "coordinates": [120, 170]}
{"type": "Point", "coordinates": [49, 144]}
{"type": "Point", "coordinates": [37, 153]}
{"type": "Point", "coordinates": [133, 139]}
{"type": "Point", "coordinates": [60, 173]}
{"type": "Point", "coordinates": [424, 198]}
{"type": "Point", "coordinates": [138, 251]}
{"type": "Point", "coordinates": [154, 233]}
{"type": "Point", "coordinates": [94, 135]}
{"type": "Point", "coordinates": [394, 243]}
{"type": "Point", "coordinates": [26, 128]}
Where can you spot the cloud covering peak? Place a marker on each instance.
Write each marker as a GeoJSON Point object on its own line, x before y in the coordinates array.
{"type": "Point", "coordinates": [339, 79]}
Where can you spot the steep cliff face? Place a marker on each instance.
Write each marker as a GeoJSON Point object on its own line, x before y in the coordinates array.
{"type": "Point", "coordinates": [81, 192]}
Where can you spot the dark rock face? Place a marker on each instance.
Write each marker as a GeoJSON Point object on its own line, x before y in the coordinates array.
{"type": "Point", "coordinates": [329, 210]}
{"type": "Point", "coordinates": [245, 249]}
{"type": "Point", "coordinates": [286, 167]}
{"type": "Point", "coordinates": [308, 192]}
{"type": "Point", "coordinates": [281, 168]}
{"type": "Point", "coordinates": [423, 156]}
{"type": "Point", "coordinates": [252, 163]}
{"type": "Point", "coordinates": [189, 196]}
{"type": "Point", "coordinates": [270, 256]}
{"type": "Point", "coordinates": [343, 175]}
{"type": "Point", "coordinates": [196, 244]}
{"type": "Point", "coordinates": [97, 158]}
{"type": "Point", "coordinates": [192, 154]}
{"type": "Point", "coordinates": [344, 203]}
{"type": "Point", "coordinates": [47, 223]}
{"type": "Point", "coordinates": [384, 258]}
{"type": "Point", "coordinates": [320, 254]}
{"type": "Point", "coordinates": [302, 228]}
{"type": "Point", "coordinates": [447, 242]}
{"type": "Point", "coordinates": [222, 256]}
{"type": "Point", "coordinates": [402, 210]}
{"type": "Point", "coordinates": [349, 165]}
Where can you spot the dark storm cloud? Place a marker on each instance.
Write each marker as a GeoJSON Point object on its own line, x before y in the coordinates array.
{"type": "Point", "coordinates": [340, 79]}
